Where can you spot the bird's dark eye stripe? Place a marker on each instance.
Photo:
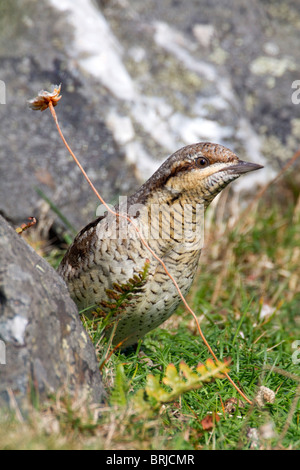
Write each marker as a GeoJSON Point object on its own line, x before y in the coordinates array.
{"type": "Point", "coordinates": [202, 162]}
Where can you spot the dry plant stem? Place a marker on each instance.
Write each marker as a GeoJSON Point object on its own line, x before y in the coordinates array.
{"type": "Point", "coordinates": [293, 408]}
{"type": "Point", "coordinates": [14, 405]}
{"type": "Point", "coordinates": [146, 245]}
{"type": "Point", "coordinates": [260, 193]}
{"type": "Point", "coordinates": [290, 414]}
{"type": "Point", "coordinates": [244, 216]}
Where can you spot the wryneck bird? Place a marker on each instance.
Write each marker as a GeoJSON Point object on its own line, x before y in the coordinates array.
{"type": "Point", "coordinates": [168, 211]}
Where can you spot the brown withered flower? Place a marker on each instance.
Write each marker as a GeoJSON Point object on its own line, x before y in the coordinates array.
{"type": "Point", "coordinates": [41, 101]}
{"type": "Point", "coordinates": [264, 395]}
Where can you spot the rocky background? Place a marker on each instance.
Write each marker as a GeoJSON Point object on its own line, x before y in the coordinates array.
{"type": "Point", "coordinates": [44, 347]}
{"type": "Point", "coordinates": [139, 80]}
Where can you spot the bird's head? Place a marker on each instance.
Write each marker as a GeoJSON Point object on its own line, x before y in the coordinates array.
{"type": "Point", "coordinates": [200, 170]}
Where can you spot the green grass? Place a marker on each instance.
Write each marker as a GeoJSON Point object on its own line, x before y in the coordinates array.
{"type": "Point", "coordinates": [246, 272]}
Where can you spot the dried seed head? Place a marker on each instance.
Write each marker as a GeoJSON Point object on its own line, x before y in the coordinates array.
{"type": "Point", "coordinates": [264, 395]}
{"type": "Point", "coordinates": [253, 437]}
{"type": "Point", "coordinates": [41, 101]}
{"type": "Point", "coordinates": [267, 431]}
{"type": "Point", "coordinates": [231, 405]}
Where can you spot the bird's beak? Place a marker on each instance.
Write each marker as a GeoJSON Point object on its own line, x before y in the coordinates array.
{"type": "Point", "coordinates": [243, 167]}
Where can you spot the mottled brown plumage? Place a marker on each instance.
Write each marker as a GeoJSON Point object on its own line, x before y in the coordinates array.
{"type": "Point", "coordinates": [168, 210]}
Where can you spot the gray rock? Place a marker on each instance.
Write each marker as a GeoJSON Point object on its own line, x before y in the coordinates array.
{"type": "Point", "coordinates": [34, 39]}
{"type": "Point", "coordinates": [44, 347]}
{"type": "Point", "coordinates": [225, 69]}
{"type": "Point", "coordinates": [140, 80]}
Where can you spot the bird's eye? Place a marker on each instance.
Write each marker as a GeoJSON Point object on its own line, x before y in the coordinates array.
{"type": "Point", "coordinates": [202, 162]}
